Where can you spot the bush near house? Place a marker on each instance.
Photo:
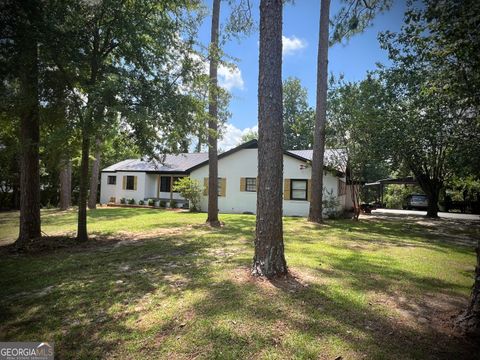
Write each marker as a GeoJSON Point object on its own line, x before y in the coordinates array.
{"type": "Point", "coordinates": [123, 201]}
{"type": "Point", "coordinates": [173, 204]}
{"type": "Point", "coordinates": [151, 202]}
{"type": "Point", "coordinates": [141, 202]}
{"type": "Point", "coordinates": [191, 190]}
{"type": "Point", "coordinates": [131, 201]}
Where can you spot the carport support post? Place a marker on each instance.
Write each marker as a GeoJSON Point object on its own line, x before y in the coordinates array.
{"type": "Point", "coordinates": [381, 195]}
{"type": "Point", "coordinates": [171, 190]}
{"type": "Point", "coordinates": [158, 186]}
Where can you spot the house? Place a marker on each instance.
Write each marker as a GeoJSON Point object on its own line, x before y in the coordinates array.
{"type": "Point", "coordinates": [237, 171]}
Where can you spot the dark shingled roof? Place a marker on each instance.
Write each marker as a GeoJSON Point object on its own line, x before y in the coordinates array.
{"type": "Point", "coordinates": [184, 163]}
{"type": "Point", "coordinates": [172, 163]}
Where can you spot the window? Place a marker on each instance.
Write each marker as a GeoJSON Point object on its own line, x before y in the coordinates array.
{"type": "Point", "coordinates": [130, 183]}
{"type": "Point", "coordinates": [251, 184]}
{"type": "Point", "coordinates": [111, 180]}
{"type": "Point", "coordinates": [298, 189]}
{"type": "Point", "coordinates": [342, 188]}
{"type": "Point", "coordinates": [219, 187]}
{"type": "Point", "coordinates": [165, 183]}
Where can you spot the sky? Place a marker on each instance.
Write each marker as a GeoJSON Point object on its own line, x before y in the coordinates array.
{"type": "Point", "coordinates": [300, 41]}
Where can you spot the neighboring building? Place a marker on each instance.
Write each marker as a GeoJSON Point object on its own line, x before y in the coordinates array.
{"type": "Point", "coordinates": [237, 172]}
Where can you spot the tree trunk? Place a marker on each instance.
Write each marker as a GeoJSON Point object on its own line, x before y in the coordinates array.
{"type": "Point", "coordinates": [269, 259]}
{"type": "Point", "coordinates": [212, 218]}
{"type": "Point", "coordinates": [82, 196]}
{"type": "Point", "coordinates": [432, 209]}
{"type": "Point", "coordinates": [432, 189]}
{"type": "Point", "coordinates": [316, 208]}
{"type": "Point", "coordinates": [469, 321]}
{"type": "Point", "coordinates": [65, 185]}
{"type": "Point", "coordinates": [92, 198]}
{"type": "Point", "coordinates": [29, 131]}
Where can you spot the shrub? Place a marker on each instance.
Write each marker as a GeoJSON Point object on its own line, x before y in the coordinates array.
{"type": "Point", "coordinates": [162, 203]}
{"type": "Point", "coordinates": [131, 201]}
{"type": "Point", "coordinates": [123, 201]}
{"type": "Point", "coordinates": [330, 204]}
{"type": "Point", "coordinates": [191, 190]}
{"type": "Point", "coordinates": [151, 202]}
{"type": "Point", "coordinates": [141, 202]}
{"type": "Point", "coordinates": [173, 203]}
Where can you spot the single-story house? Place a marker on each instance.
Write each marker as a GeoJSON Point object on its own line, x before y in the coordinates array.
{"type": "Point", "coordinates": [237, 172]}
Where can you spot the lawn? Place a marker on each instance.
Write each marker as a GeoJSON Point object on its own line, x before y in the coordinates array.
{"type": "Point", "coordinates": [160, 284]}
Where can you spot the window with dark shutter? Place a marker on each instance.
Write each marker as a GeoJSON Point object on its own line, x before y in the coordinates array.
{"type": "Point", "coordinates": [298, 189]}
{"type": "Point", "coordinates": [251, 184]}
{"type": "Point", "coordinates": [111, 180]}
{"type": "Point", "coordinates": [130, 183]}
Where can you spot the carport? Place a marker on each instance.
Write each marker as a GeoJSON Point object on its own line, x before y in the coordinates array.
{"type": "Point", "coordinates": [380, 184]}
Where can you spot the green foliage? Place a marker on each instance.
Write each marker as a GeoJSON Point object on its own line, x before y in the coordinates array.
{"type": "Point", "coordinates": [431, 121]}
{"type": "Point", "coordinates": [162, 204]}
{"type": "Point", "coordinates": [298, 116]}
{"type": "Point", "coordinates": [141, 202]}
{"type": "Point", "coordinates": [131, 201]}
{"type": "Point", "coordinates": [191, 190]}
{"type": "Point", "coordinates": [355, 16]}
{"type": "Point", "coordinates": [395, 195]}
{"type": "Point", "coordinates": [123, 201]}
{"type": "Point", "coordinates": [330, 204]}
{"type": "Point", "coordinates": [250, 135]}
{"type": "Point", "coordinates": [173, 204]}
{"type": "Point", "coordinates": [151, 202]}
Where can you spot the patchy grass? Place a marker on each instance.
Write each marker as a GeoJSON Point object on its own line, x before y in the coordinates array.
{"type": "Point", "coordinates": [174, 288]}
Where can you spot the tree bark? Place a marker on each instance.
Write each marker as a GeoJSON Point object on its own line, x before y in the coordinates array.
{"type": "Point", "coordinates": [316, 208]}
{"type": "Point", "coordinates": [269, 258]}
{"type": "Point", "coordinates": [82, 234]}
{"type": "Point", "coordinates": [212, 217]}
{"type": "Point", "coordinates": [92, 198]}
{"type": "Point", "coordinates": [30, 227]}
{"type": "Point", "coordinates": [469, 321]}
{"type": "Point", "coordinates": [432, 189]}
{"type": "Point", "coordinates": [65, 185]}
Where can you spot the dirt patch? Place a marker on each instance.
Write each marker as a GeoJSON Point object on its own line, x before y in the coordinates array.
{"type": "Point", "coordinates": [434, 312]}
{"type": "Point", "coordinates": [292, 282]}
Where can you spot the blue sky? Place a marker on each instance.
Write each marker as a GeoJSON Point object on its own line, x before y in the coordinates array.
{"type": "Point", "coordinates": [300, 31]}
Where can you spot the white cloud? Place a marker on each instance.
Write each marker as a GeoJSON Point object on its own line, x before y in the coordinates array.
{"type": "Point", "coordinates": [232, 136]}
{"type": "Point", "coordinates": [230, 77]}
{"type": "Point", "coordinates": [292, 44]}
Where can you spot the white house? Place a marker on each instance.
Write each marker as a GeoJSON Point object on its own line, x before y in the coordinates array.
{"type": "Point", "coordinates": [237, 171]}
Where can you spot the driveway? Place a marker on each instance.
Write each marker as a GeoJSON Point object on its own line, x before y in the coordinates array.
{"type": "Point", "coordinates": [445, 215]}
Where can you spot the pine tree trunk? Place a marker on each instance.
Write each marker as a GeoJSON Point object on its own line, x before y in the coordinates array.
{"type": "Point", "coordinates": [469, 321]}
{"type": "Point", "coordinates": [92, 198]}
{"type": "Point", "coordinates": [269, 259]}
{"type": "Point", "coordinates": [212, 218]}
{"type": "Point", "coordinates": [29, 132]}
{"type": "Point", "coordinates": [316, 208]}
{"type": "Point", "coordinates": [65, 185]}
{"type": "Point", "coordinates": [82, 234]}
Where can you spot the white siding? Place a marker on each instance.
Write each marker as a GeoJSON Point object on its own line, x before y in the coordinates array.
{"type": "Point", "coordinates": [107, 191]}
{"type": "Point", "coordinates": [243, 163]}
{"type": "Point", "coordinates": [240, 164]}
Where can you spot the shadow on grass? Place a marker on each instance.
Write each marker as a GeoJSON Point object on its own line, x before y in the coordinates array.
{"type": "Point", "coordinates": [179, 297]}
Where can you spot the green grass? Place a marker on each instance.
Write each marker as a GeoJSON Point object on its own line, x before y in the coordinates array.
{"type": "Point", "coordinates": [181, 290]}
